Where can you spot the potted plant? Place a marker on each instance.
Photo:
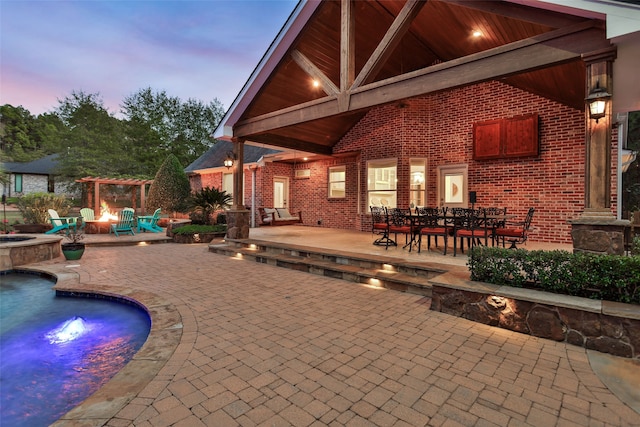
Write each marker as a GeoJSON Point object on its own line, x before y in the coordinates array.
{"type": "Point", "coordinates": [73, 248]}
{"type": "Point", "coordinates": [205, 203]}
{"type": "Point", "coordinates": [34, 209]}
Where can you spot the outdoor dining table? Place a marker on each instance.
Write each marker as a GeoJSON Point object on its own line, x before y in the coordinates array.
{"type": "Point", "coordinates": [413, 219]}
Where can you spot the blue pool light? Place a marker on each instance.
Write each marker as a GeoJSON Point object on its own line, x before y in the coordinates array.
{"type": "Point", "coordinates": [68, 331]}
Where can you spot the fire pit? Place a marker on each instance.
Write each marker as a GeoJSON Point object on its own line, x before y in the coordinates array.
{"type": "Point", "coordinates": [102, 224]}
{"type": "Point", "coordinates": [98, 227]}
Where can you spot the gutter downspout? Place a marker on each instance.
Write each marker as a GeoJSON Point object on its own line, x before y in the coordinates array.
{"type": "Point", "coordinates": [253, 169]}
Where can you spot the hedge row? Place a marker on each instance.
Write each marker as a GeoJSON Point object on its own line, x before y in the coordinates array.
{"type": "Point", "coordinates": [605, 277]}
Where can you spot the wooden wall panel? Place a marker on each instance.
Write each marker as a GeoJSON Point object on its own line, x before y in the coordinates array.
{"type": "Point", "coordinates": [512, 137]}
{"type": "Point", "coordinates": [521, 136]}
{"type": "Point", "coordinates": [487, 138]}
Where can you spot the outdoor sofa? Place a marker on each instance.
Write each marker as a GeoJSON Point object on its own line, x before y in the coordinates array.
{"type": "Point", "coordinates": [278, 216]}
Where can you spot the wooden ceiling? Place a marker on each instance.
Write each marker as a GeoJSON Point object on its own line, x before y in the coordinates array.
{"type": "Point", "coordinates": [434, 42]}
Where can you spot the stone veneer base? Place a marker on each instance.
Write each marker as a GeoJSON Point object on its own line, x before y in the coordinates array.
{"type": "Point", "coordinates": [604, 326]}
{"type": "Point", "coordinates": [36, 249]}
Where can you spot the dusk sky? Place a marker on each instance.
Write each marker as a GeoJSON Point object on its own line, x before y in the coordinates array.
{"type": "Point", "coordinates": [191, 49]}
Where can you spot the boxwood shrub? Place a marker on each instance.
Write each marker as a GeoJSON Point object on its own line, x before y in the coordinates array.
{"type": "Point", "coordinates": [605, 277]}
{"type": "Point", "coordinates": [199, 228]}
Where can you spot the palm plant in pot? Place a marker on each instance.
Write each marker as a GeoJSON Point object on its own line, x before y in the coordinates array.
{"type": "Point", "coordinates": [206, 202]}
{"type": "Point", "coordinates": [72, 247]}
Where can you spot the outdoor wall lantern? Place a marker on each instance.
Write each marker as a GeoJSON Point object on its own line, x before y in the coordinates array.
{"type": "Point", "coordinates": [597, 102]}
{"type": "Point", "coordinates": [228, 162]}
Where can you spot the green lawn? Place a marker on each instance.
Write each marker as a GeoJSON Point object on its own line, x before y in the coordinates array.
{"type": "Point", "coordinates": [11, 217]}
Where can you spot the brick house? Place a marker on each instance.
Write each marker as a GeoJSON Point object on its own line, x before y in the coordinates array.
{"type": "Point", "coordinates": [409, 107]}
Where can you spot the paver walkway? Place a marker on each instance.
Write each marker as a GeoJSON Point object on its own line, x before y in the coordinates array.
{"type": "Point", "coordinates": [263, 345]}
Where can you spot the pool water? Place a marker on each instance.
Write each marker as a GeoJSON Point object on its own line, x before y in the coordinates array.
{"type": "Point", "coordinates": [43, 375]}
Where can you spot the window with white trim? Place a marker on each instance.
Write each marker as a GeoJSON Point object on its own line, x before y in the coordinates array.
{"type": "Point", "coordinates": [417, 182]}
{"type": "Point", "coordinates": [382, 183]}
{"type": "Point", "coordinates": [337, 181]}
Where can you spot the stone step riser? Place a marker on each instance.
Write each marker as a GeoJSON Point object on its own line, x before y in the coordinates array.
{"type": "Point", "coordinates": [414, 280]}
{"type": "Point", "coordinates": [341, 260]}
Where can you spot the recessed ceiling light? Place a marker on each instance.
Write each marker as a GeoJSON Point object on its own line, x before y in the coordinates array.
{"type": "Point", "coordinates": [316, 83]}
{"type": "Point", "coordinates": [477, 33]}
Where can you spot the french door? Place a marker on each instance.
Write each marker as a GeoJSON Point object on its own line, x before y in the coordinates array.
{"type": "Point", "coordinates": [280, 192]}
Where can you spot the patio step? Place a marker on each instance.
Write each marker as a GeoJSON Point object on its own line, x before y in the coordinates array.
{"type": "Point", "coordinates": [379, 271]}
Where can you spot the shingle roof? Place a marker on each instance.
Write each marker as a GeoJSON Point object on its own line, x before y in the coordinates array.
{"type": "Point", "coordinates": [44, 166]}
{"type": "Point", "coordinates": [216, 155]}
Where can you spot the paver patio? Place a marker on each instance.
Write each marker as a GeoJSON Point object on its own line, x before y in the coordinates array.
{"type": "Point", "coordinates": [262, 345]}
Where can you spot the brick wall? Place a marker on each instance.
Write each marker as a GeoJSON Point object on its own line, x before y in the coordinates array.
{"type": "Point", "coordinates": [311, 196]}
{"type": "Point", "coordinates": [439, 128]}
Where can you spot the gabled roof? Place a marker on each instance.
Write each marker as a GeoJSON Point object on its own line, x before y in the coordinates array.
{"type": "Point", "coordinates": [215, 156]}
{"type": "Point", "coordinates": [44, 166]}
{"type": "Point", "coordinates": [384, 51]}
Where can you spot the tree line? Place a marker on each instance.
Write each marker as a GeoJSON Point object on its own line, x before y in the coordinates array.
{"type": "Point", "coordinates": [91, 141]}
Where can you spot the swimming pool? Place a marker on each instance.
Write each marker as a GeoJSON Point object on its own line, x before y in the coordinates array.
{"type": "Point", "coordinates": [44, 370]}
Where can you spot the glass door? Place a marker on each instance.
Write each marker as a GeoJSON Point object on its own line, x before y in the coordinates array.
{"type": "Point", "coordinates": [280, 192]}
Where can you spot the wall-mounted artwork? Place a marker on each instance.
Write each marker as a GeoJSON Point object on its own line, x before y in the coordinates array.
{"type": "Point", "coordinates": [453, 188]}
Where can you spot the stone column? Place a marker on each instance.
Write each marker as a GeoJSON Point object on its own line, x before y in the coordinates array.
{"type": "Point", "coordinates": [238, 216]}
{"type": "Point", "coordinates": [598, 230]}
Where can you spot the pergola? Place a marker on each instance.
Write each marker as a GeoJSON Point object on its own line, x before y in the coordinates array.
{"type": "Point", "coordinates": [93, 192]}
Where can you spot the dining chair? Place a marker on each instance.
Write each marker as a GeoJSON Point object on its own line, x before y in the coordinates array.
{"type": "Point", "coordinates": [400, 223]}
{"type": "Point", "coordinates": [495, 219]}
{"type": "Point", "coordinates": [515, 232]}
{"type": "Point", "coordinates": [380, 226]}
{"type": "Point", "coordinates": [470, 224]}
{"type": "Point", "coordinates": [432, 222]}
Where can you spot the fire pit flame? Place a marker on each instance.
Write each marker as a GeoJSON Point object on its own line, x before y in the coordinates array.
{"type": "Point", "coordinates": [105, 213]}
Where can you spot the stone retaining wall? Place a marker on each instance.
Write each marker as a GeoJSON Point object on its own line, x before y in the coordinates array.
{"type": "Point", "coordinates": [615, 335]}
{"type": "Point", "coordinates": [175, 223]}
{"type": "Point", "coordinates": [40, 248]}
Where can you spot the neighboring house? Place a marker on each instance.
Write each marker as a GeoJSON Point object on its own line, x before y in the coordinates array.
{"type": "Point", "coordinates": [32, 177]}
{"type": "Point", "coordinates": [425, 103]}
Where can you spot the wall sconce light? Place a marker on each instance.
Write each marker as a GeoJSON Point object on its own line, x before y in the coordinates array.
{"type": "Point", "coordinates": [228, 162]}
{"type": "Point", "coordinates": [597, 102]}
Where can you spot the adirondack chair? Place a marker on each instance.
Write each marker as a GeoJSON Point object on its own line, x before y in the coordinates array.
{"type": "Point", "coordinates": [64, 223]}
{"type": "Point", "coordinates": [150, 222]}
{"type": "Point", "coordinates": [125, 223]}
{"type": "Point", "coordinates": [87, 214]}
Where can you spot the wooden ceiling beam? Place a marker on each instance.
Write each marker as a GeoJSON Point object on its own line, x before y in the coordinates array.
{"type": "Point", "coordinates": [517, 11]}
{"type": "Point", "coordinates": [546, 50]}
{"type": "Point", "coordinates": [291, 143]}
{"type": "Point", "coordinates": [309, 67]}
{"type": "Point", "coordinates": [347, 46]}
{"type": "Point", "coordinates": [393, 36]}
